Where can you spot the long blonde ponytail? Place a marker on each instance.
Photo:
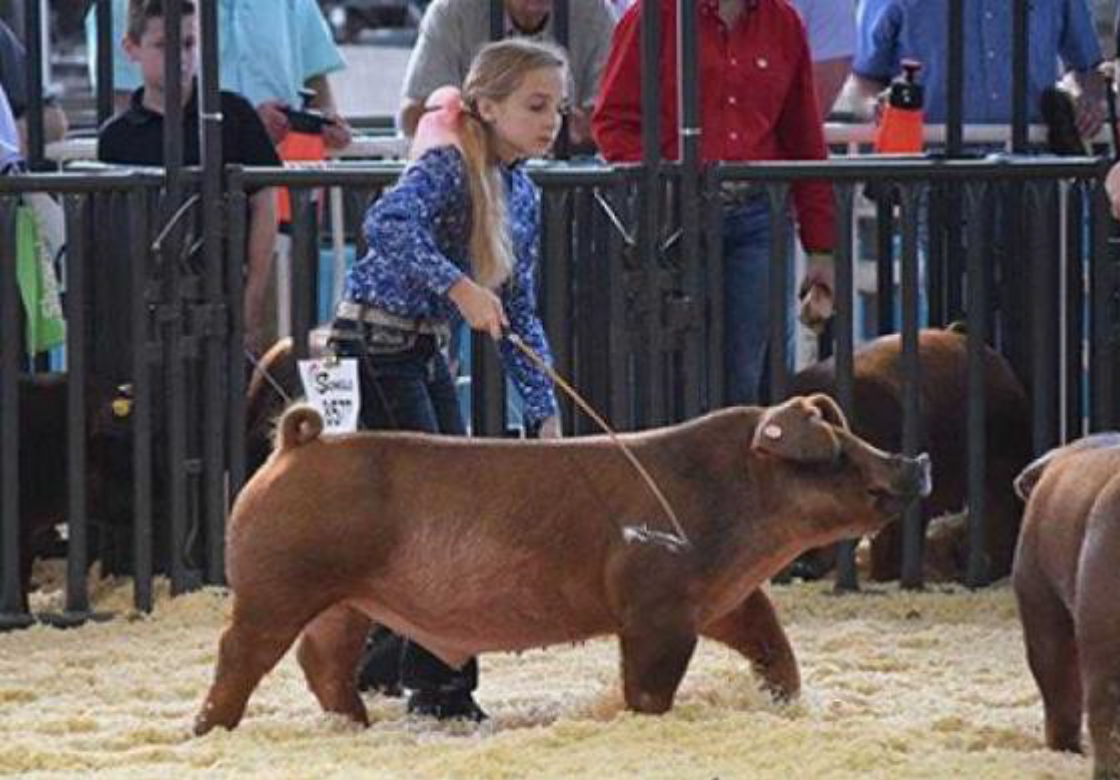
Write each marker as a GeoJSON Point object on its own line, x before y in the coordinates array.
{"type": "Point", "coordinates": [495, 73]}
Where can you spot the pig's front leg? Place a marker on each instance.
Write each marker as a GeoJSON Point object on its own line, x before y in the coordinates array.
{"type": "Point", "coordinates": [654, 659]}
{"type": "Point", "coordinates": [752, 628]}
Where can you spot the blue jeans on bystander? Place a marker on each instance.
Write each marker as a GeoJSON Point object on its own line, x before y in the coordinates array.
{"type": "Point", "coordinates": [746, 281]}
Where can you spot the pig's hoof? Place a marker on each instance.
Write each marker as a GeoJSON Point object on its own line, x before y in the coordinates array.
{"type": "Point", "coordinates": [445, 705]}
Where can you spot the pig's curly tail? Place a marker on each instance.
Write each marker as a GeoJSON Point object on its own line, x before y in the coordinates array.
{"type": "Point", "coordinates": [299, 425]}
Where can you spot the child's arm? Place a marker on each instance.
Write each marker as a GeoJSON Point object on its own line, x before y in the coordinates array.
{"type": "Point", "coordinates": [262, 238]}
{"type": "Point", "coordinates": [400, 228]}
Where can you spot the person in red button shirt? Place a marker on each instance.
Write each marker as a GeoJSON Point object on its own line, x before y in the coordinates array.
{"type": "Point", "coordinates": [757, 102]}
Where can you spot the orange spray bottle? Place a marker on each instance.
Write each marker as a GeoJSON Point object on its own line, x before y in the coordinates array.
{"type": "Point", "coordinates": [900, 125]}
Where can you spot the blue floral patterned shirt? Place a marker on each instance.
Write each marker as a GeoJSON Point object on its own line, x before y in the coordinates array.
{"type": "Point", "coordinates": [418, 233]}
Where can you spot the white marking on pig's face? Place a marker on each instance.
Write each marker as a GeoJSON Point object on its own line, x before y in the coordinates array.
{"type": "Point", "coordinates": [773, 432]}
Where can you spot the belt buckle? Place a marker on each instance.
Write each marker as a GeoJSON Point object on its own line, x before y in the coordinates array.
{"type": "Point", "coordinates": [736, 193]}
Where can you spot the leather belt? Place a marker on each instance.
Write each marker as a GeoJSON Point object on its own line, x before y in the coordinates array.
{"type": "Point", "coordinates": [360, 312]}
{"type": "Point", "coordinates": [735, 193]}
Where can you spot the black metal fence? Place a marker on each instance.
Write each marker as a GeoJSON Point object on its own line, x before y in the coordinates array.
{"type": "Point", "coordinates": [633, 316]}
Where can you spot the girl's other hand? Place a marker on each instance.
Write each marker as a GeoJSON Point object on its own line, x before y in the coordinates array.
{"type": "Point", "coordinates": [550, 428]}
{"type": "Point", "coordinates": [481, 308]}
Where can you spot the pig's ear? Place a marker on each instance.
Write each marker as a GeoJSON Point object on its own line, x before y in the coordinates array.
{"type": "Point", "coordinates": [798, 431]}
{"type": "Point", "coordinates": [830, 410]}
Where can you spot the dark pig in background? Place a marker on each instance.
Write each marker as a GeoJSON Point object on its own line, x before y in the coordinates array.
{"type": "Point", "coordinates": [877, 417]}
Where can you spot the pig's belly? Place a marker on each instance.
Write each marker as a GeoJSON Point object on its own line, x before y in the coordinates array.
{"type": "Point", "coordinates": [486, 610]}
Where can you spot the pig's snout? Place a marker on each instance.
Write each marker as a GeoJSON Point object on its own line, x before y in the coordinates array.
{"type": "Point", "coordinates": [913, 477]}
{"type": "Point", "coordinates": [899, 481]}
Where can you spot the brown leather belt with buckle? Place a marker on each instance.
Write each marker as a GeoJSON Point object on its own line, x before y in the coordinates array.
{"type": "Point", "coordinates": [362, 313]}
{"type": "Point", "coordinates": [737, 193]}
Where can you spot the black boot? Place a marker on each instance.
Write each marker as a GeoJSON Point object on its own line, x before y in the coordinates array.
{"type": "Point", "coordinates": [440, 691]}
{"type": "Point", "coordinates": [380, 666]}
{"type": "Point", "coordinates": [445, 704]}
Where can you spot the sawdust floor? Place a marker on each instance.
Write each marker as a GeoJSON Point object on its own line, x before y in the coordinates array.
{"type": "Point", "coordinates": [896, 685]}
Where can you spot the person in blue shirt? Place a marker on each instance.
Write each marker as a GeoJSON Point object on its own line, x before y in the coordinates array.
{"type": "Point", "coordinates": [268, 50]}
{"type": "Point", "coordinates": [11, 159]}
{"type": "Point", "coordinates": [889, 31]}
{"type": "Point", "coordinates": [456, 237]}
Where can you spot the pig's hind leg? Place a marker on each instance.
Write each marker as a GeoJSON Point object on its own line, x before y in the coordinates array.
{"type": "Point", "coordinates": [1098, 631]}
{"type": "Point", "coordinates": [328, 653]}
{"type": "Point", "coordinates": [1052, 652]}
{"type": "Point", "coordinates": [752, 628]}
{"type": "Point", "coordinates": [260, 631]}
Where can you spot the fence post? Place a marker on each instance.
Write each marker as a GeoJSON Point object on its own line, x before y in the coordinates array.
{"type": "Point", "coordinates": [978, 572]}
{"type": "Point", "coordinates": [12, 613]}
{"type": "Point", "coordinates": [843, 200]}
{"type": "Point", "coordinates": [911, 383]}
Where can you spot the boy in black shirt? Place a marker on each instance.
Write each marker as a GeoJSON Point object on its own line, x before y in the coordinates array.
{"type": "Point", "coordinates": [136, 137]}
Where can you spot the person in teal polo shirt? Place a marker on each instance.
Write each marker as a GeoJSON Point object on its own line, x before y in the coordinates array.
{"type": "Point", "coordinates": [268, 50]}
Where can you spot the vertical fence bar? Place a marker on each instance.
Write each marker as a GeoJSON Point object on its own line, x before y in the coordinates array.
{"type": "Point", "coordinates": [77, 539]}
{"type": "Point", "coordinates": [884, 258]}
{"type": "Point", "coordinates": [33, 37]}
{"type": "Point", "coordinates": [217, 320]}
{"type": "Point", "coordinates": [488, 397]}
{"type": "Point", "coordinates": [689, 154]}
{"type": "Point", "coordinates": [12, 612]}
{"type": "Point", "coordinates": [937, 257]}
{"type": "Point", "coordinates": [590, 306]}
{"type": "Point", "coordinates": [843, 200]}
{"type": "Point", "coordinates": [600, 278]}
{"type": "Point", "coordinates": [1103, 385]}
{"type": "Point", "coordinates": [304, 262]}
{"type": "Point", "coordinates": [1020, 64]}
{"type": "Point", "coordinates": [978, 572]}
{"type": "Point", "coordinates": [105, 45]}
{"type": "Point", "coordinates": [648, 359]}
{"type": "Point", "coordinates": [1042, 291]}
{"type": "Point", "coordinates": [143, 296]}
{"type": "Point", "coordinates": [177, 326]}
{"type": "Point", "coordinates": [779, 290]}
{"type": "Point", "coordinates": [556, 273]}
{"type": "Point", "coordinates": [497, 20]}
{"type": "Point", "coordinates": [911, 381]}
{"type": "Point", "coordinates": [954, 74]}
{"type": "Point", "coordinates": [1074, 364]}
{"type": "Point", "coordinates": [235, 291]}
{"type": "Point", "coordinates": [620, 247]}
{"type": "Point", "coordinates": [173, 104]}
{"type": "Point", "coordinates": [561, 31]}
{"type": "Point", "coordinates": [713, 289]}
{"type": "Point", "coordinates": [172, 332]}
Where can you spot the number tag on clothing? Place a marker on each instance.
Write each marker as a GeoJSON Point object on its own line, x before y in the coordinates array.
{"type": "Point", "coordinates": [331, 387]}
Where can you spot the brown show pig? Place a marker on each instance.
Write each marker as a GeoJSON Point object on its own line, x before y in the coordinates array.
{"type": "Point", "coordinates": [1067, 577]}
{"type": "Point", "coordinates": [877, 417]}
{"type": "Point", "coordinates": [470, 546]}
